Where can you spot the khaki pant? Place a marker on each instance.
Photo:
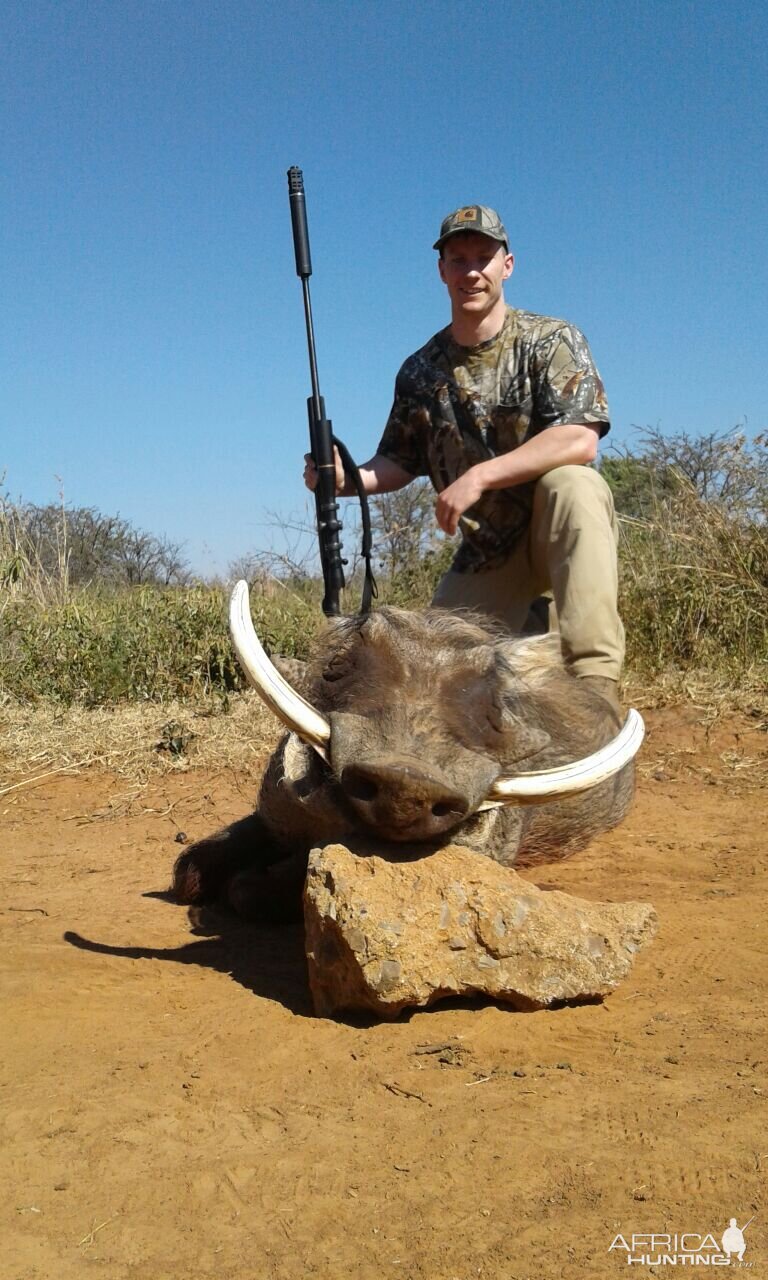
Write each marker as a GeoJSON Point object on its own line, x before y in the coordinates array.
{"type": "Point", "coordinates": [570, 550]}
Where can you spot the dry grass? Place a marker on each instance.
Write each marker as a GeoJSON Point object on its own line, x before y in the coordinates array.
{"type": "Point", "coordinates": [138, 741]}
{"type": "Point", "coordinates": [133, 741]}
{"type": "Point", "coordinates": [711, 692]}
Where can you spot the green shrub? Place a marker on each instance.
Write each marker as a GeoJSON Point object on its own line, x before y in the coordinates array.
{"type": "Point", "coordinates": [139, 643]}
{"type": "Point", "coordinates": [694, 590]}
{"type": "Point", "coordinates": [693, 594]}
{"type": "Point", "coordinates": [694, 551]}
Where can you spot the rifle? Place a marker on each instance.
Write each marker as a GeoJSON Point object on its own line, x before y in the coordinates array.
{"type": "Point", "coordinates": [321, 437]}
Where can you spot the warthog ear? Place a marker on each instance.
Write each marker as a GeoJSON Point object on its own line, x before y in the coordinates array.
{"type": "Point", "coordinates": [533, 658]}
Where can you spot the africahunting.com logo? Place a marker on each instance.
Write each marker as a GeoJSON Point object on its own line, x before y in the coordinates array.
{"type": "Point", "coordinates": [686, 1249]}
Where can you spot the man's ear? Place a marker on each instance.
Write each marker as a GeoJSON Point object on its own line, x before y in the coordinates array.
{"type": "Point", "coordinates": [441, 268]}
{"type": "Point", "coordinates": [509, 265]}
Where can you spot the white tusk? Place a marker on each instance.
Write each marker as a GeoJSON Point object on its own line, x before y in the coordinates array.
{"type": "Point", "coordinates": [569, 779]}
{"type": "Point", "coordinates": [288, 705]}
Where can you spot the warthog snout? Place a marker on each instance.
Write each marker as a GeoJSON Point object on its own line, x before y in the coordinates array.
{"type": "Point", "coordinates": [402, 799]}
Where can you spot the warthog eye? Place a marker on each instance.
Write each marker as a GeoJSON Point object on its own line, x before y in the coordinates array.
{"type": "Point", "coordinates": [337, 668]}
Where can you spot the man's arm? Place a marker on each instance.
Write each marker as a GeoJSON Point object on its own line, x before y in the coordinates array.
{"type": "Point", "coordinates": [567, 444]}
{"type": "Point", "coordinates": [379, 475]}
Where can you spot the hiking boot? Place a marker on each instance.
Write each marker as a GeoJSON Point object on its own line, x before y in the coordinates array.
{"type": "Point", "coordinates": [607, 688]}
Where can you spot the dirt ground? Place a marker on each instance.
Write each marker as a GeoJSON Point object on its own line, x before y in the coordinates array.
{"type": "Point", "coordinates": [171, 1108]}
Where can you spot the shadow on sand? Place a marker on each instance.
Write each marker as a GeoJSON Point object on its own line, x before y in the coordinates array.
{"type": "Point", "coordinates": [269, 960]}
{"type": "Point", "coordinates": [265, 959]}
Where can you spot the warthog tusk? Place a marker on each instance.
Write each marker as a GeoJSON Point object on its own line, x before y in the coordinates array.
{"type": "Point", "coordinates": [569, 779]}
{"type": "Point", "coordinates": [288, 705]}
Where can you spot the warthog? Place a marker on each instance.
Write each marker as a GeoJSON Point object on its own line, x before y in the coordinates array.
{"type": "Point", "coordinates": [420, 728]}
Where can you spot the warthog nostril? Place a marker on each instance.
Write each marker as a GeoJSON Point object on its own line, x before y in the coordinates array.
{"type": "Point", "coordinates": [443, 808]}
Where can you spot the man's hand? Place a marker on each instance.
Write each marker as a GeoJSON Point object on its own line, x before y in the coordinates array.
{"type": "Point", "coordinates": [378, 475]}
{"type": "Point", "coordinates": [567, 444]}
{"type": "Point", "coordinates": [310, 472]}
{"type": "Point", "coordinates": [454, 501]}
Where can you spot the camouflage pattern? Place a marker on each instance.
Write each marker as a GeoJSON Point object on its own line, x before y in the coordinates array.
{"type": "Point", "coordinates": [473, 217]}
{"type": "Point", "coordinates": [457, 406]}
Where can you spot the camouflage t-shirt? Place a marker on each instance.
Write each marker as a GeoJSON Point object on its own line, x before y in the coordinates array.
{"type": "Point", "coordinates": [457, 406]}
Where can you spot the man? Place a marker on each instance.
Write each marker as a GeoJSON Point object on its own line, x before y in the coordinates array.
{"type": "Point", "coordinates": [501, 410]}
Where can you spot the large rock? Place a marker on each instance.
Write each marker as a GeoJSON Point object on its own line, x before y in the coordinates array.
{"type": "Point", "coordinates": [387, 933]}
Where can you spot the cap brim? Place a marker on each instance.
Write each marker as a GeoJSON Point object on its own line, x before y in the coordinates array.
{"type": "Point", "coordinates": [463, 231]}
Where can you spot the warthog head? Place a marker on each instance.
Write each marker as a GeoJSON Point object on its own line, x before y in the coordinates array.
{"type": "Point", "coordinates": [425, 712]}
{"type": "Point", "coordinates": [422, 727]}
{"type": "Point", "coordinates": [426, 718]}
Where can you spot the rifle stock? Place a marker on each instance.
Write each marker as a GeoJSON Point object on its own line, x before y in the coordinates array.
{"type": "Point", "coordinates": [326, 508]}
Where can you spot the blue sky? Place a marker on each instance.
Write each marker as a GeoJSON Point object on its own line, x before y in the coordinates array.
{"type": "Point", "coordinates": [153, 349]}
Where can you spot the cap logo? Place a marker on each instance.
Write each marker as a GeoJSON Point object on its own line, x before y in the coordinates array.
{"type": "Point", "coordinates": [467, 215]}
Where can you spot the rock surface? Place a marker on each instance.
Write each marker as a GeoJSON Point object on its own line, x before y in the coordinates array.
{"type": "Point", "coordinates": [386, 934]}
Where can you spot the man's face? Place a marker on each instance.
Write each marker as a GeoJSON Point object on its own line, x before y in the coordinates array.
{"type": "Point", "coordinates": [473, 268]}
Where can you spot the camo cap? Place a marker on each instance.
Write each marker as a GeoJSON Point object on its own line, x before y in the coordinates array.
{"type": "Point", "coordinates": [473, 217]}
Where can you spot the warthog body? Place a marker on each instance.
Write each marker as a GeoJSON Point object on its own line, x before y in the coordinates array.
{"type": "Point", "coordinates": [426, 710]}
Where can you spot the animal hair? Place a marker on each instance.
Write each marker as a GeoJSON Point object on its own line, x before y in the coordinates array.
{"type": "Point", "coordinates": [533, 658]}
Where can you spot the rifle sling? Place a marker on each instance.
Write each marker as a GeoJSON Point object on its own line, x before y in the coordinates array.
{"type": "Point", "coordinates": [370, 590]}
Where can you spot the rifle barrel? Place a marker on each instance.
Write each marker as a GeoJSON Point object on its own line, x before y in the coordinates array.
{"type": "Point", "coordinates": [320, 429]}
